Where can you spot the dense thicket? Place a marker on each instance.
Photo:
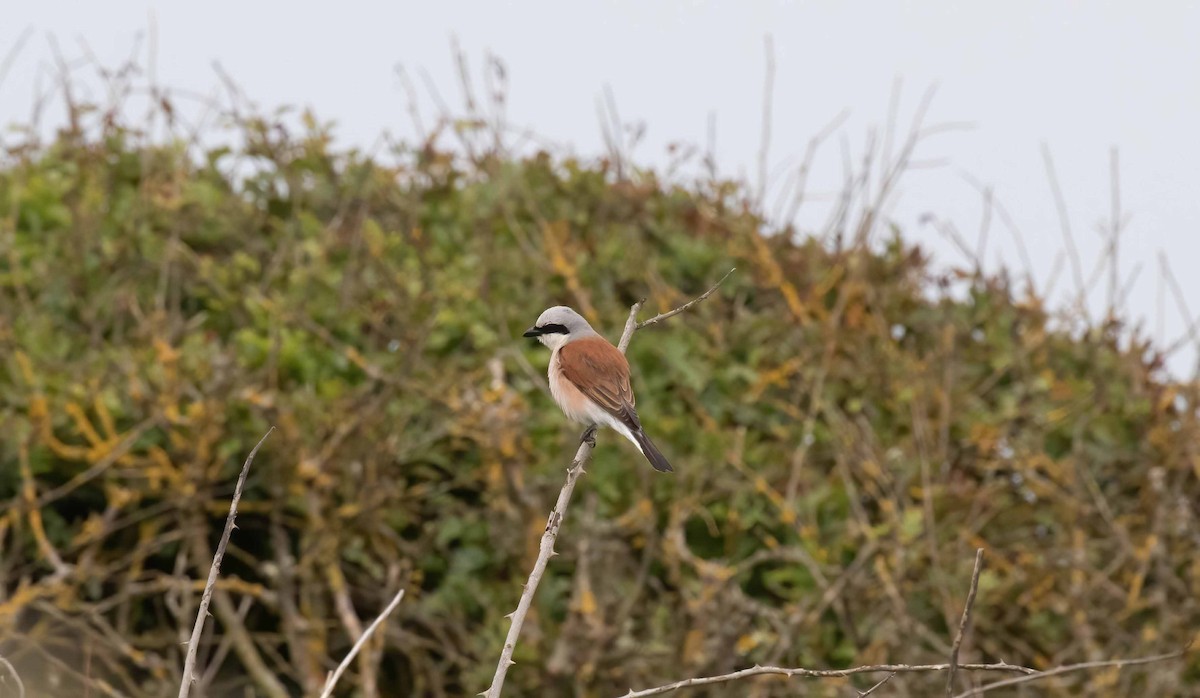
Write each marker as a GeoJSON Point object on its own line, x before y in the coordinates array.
{"type": "Point", "coordinates": [845, 434]}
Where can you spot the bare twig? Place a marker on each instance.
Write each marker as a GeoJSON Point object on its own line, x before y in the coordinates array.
{"type": "Point", "coordinates": [13, 52]}
{"type": "Point", "coordinates": [768, 93]}
{"type": "Point", "coordinates": [1114, 233]}
{"type": "Point", "coordinates": [631, 325]}
{"type": "Point", "coordinates": [1191, 325]}
{"type": "Point", "coordinates": [1027, 674]}
{"type": "Point", "coordinates": [1064, 220]}
{"type": "Point", "coordinates": [362, 640]}
{"type": "Point", "coordinates": [16, 677]}
{"type": "Point", "coordinates": [189, 662]}
{"type": "Point", "coordinates": [823, 673]}
{"type": "Point", "coordinates": [1071, 668]}
{"type": "Point", "coordinates": [546, 549]}
{"type": "Point", "coordinates": [345, 608]}
{"type": "Point", "coordinates": [962, 624]}
{"type": "Point", "coordinates": [999, 209]}
{"type": "Point", "coordinates": [612, 130]}
{"type": "Point", "coordinates": [869, 691]}
{"type": "Point", "coordinates": [659, 318]}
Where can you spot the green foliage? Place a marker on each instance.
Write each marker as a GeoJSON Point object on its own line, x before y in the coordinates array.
{"type": "Point", "coordinates": [845, 432]}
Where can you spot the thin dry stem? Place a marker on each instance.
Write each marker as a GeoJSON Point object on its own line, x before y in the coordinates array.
{"type": "Point", "coordinates": [1064, 220]}
{"type": "Point", "coordinates": [822, 674]}
{"type": "Point", "coordinates": [869, 691]}
{"type": "Point", "coordinates": [545, 551]}
{"type": "Point", "coordinates": [362, 640]}
{"type": "Point", "coordinates": [1071, 668]}
{"type": "Point", "coordinates": [13, 53]}
{"type": "Point", "coordinates": [768, 94]}
{"type": "Point", "coordinates": [962, 624]}
{"type": "Point", "coordinates": [16, 677]}
{"type": "Point", "coordinates": [1027, 674]}
{"type": "Point", "coordinates": [189, 663]}
{"type": "Point", "coordinates": [631, 325]}
{"type": "Point", "coordinates": [659, 318]}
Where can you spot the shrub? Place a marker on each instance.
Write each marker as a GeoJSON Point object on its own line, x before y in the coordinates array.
{"type": "Point", "coordinates": [846, 431]}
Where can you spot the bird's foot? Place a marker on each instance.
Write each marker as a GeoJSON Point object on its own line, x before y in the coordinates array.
{"type": "Point", "coordinates": [588, 437]}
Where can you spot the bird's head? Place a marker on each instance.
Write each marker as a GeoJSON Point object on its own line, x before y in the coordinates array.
{"type": "Point", "coordinates": [558, 325]}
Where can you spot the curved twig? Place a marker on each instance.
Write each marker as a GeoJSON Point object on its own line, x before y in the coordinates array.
{"type": "Point", "coordinates": [16, 677]}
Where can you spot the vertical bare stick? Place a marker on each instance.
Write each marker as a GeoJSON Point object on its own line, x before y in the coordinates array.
{"type": "Point", "coordinates": [545, 551]}
{"type": "Point", "coordinates": [189, 662]}
{"type": "Point", "coordinates": [362, 640]}
{"type": "Point", "coordinates": [631, 324]}
{"type": "Point", "coordinates": [1114, 282]}
{"type": "Point", "coordinates": [768, 93]}
{"type": "Point", "coordinates": [1064, 220]}
{"type": "Point", "coordinates": [962, 624]}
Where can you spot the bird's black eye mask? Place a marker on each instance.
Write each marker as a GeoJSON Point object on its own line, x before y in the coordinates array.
{"type": "Point", "coordinates": [550, 328]}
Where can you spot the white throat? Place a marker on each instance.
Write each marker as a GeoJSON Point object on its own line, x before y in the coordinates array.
{"type": "Point", "coordinates": [554, 341]}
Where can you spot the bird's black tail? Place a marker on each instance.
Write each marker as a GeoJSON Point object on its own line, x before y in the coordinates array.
{"type": "Point", "coordinates": [657, 460]}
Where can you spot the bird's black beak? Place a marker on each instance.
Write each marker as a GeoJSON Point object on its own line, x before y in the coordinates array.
{"type": "Point", "coordinates": [533, 332]}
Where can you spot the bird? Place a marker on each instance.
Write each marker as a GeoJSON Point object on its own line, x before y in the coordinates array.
{"type": "Point", "coordinates": [589, 379]}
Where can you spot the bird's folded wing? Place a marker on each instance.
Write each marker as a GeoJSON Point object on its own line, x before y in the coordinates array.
{"type": "Point", "coordinates": [601, 373]}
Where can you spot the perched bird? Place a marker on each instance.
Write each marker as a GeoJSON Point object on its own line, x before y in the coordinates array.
{"type": "Point", "coordinates": [589, 378]}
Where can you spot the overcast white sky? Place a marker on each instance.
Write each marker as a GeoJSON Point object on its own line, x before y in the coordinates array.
{"type": "Point", "coordinates": [1079, 76]}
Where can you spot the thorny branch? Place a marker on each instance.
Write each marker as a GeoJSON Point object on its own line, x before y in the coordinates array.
{"type": "Point", "coordinates": [578, 464]}
{"type": "Point", "coordinates": [1027, 673]}
{"type": "Point", "coordinates": [822, 674]}
{"type": "Point", "coordinates": [189, 663]}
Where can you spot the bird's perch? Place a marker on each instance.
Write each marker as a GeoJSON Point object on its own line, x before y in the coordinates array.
{"type": "Point", "coordinates": [559, 513]}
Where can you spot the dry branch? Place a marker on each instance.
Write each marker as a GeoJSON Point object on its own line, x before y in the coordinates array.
{"type": "Point", "coordinates": [189, 663]}
{"type": "Point", "coordinates": [659, 318]}
{"type": "Point", "coordinates": [822, 674]}
{"type": "Point", "coordinates": [546, 548]}
{"type": "Point", "coordinates": [1071, 668]}
{"type": "Point", "coordinates": [16, 677]}
{"type": "Point", "coordinates": [962, 624]}
{"type": "Point", "coordinates": [362, 640]}
{"type": "Point", "coordinates": [545, 551]}
{"type": "Point", "coordinates": [869, 691]}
